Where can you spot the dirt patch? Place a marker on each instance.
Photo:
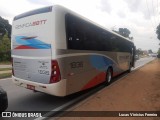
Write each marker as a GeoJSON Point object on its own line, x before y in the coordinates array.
{"type": "Point", "coordinates": [138, 91]}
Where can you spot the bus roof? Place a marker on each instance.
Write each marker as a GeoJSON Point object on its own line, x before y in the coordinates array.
{"type": "Point", "coordinates": [49, 9]}
{"type": "Point", "coordinates": [33, 12]}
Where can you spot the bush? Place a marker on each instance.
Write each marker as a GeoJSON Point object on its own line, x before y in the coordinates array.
{"type": "Point", "coordinates": [5, 48]}
{"type": "Point", "coordinates": [5, 56]}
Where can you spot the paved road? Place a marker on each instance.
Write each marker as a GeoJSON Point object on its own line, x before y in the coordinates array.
{"type": "Point", "coordinates": [143, 61]}
{"type": "Point", "coordinates": [21, 99]}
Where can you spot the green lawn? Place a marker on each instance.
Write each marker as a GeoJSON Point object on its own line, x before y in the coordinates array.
{"type": "Point", "coordinates": [5, 63]}
{"type": "Point", "coordinates": [5, 69]}
{"type": "Point", "coordinates": [5, 75]}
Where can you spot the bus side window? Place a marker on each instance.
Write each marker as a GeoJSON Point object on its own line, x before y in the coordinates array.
{"type": "Point", "coordinates": [72, 32]}
{"type": "Point", "coordinates": [70, 38]}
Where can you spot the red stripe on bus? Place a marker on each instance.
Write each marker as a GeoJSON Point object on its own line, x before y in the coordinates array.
{"type": "Point", "coordinates": [95, 81]}
{"type": "Point", "coordinates": [115, 74]}
{"type": "Point", "coordinates": [24, 47]}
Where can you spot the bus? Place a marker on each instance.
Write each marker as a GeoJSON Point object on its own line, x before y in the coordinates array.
{"type": "Point", "coordinates": [58, 52]}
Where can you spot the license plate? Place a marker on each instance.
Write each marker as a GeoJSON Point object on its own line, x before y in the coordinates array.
{"type": "Point", "coordinates": [31, 87]}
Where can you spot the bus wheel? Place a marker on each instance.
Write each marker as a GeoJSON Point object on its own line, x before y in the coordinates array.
{"type": "Point", "coordinates": [108, 76]}
{"type": "Point", "coordinates": [130, 69]}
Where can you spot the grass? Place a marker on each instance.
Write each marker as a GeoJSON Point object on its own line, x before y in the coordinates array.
{"type": "Point", "coordinates": [5, 75]}
{"type": "Point", "coordinates": [5, 63]}
{"type": "Point", "coordinates": [5, 69]}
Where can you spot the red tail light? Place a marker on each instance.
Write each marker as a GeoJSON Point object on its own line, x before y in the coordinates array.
{"type": "Point", "coordinates": [12, 67]}
{"type": "Point", "coordinates": [55, 72]}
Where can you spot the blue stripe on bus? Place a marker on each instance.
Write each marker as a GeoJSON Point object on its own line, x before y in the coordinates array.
{"type": "Point", "coordinates": [34, 43]}
{"type": "Point", "coordinates": [100, 62]}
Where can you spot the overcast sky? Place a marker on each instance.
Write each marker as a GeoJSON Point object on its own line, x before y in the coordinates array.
{"type": "Point", "coordinates": [140, 16]}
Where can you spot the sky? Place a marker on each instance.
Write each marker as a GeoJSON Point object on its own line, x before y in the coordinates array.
{"type": "Point", "coordinates": [141, 17]}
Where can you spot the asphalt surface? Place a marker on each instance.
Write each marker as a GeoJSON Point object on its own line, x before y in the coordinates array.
{"type": "Point", "coordinates": [143, 61]}
{"type": "Point", "coordinates": [21, 99]}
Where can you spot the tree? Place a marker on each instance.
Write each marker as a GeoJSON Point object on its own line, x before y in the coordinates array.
{"type": "Point", "coordinates": [131, 38]}
{"type": "Point", "coordinates": [158, 31]}
{"type": "Point", "coordinates": [139, 51]}
{"type": "Point", "coordinates": [5, 27]}
{"type": "Point", "coordinates": [124, 32]}
{"type": "Point", "coordinates": [5, 48]}
{"type": "Point", "coordinates": [158, 53]}
{"type": "Point", "coordinates": [150, 51]}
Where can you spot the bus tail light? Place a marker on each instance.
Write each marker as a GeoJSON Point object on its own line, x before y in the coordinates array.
{"type": "Point", "coordinates": [12, 67]}
{"type": "Point", "coordinates": [55, 72]}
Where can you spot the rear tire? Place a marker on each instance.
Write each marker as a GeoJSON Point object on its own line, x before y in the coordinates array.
{"type": "Point", "coordinates": [108, 76]}
{"type": "Point", "coordinates": [130, 69]}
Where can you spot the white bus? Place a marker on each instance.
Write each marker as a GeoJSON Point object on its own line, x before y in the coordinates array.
{"type": "Point", "coordinates": [59, 52]}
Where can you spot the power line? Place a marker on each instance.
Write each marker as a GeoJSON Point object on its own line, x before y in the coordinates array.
{"type": "Point", "coordinates": [149, 14]}
{"type": "Point", "coordinates": [158, 11]}
{"type": "Point", "coordinates": [154, 13]}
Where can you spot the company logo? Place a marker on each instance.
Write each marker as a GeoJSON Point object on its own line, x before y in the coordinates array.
{"type": "Point", "coordinates": [30, 24]}
{"type": "Point", "coordinates": [21, 114]}
{"type": "Point", "coordinates": [6, 114]}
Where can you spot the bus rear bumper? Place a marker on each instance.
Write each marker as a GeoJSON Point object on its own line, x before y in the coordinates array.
{"type": "Point", "coordinates": [56, 89]}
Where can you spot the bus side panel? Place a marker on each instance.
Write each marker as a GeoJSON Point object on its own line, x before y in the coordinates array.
{"type": "Point", "coordinates": [84, 70]}
{"type": "Point", "coordinates": [124, 60]}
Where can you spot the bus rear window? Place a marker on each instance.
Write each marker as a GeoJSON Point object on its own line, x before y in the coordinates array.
{"type": "Point", "coordinates": [34, 12]}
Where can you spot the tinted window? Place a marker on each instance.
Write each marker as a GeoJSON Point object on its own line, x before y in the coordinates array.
{"type": "Point", "coordinates": [82, 35]}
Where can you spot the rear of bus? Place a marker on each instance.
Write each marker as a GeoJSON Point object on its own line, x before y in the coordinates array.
{"type": "Point", "coordinates": [33, 52]}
